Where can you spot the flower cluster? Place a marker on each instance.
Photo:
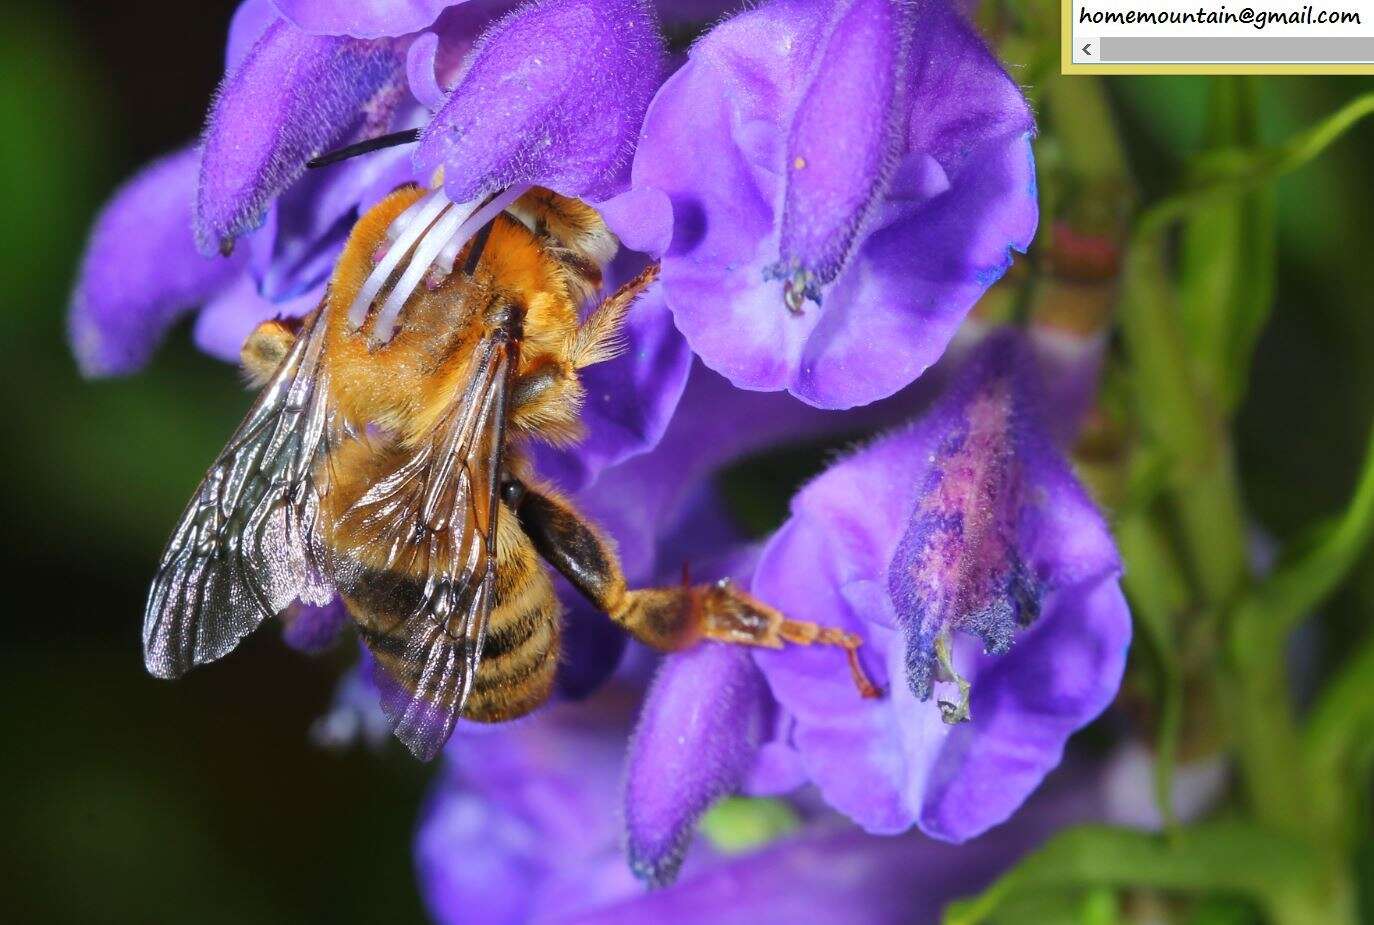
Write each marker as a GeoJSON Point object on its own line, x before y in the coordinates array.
{"type": "Point", "coordinates": [829, 185]}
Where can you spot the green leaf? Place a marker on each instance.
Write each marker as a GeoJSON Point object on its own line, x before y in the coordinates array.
{"type": "Point", "coordinates": [1227, 258]}
{"type": "Point", "coordinates": [1218, 858]}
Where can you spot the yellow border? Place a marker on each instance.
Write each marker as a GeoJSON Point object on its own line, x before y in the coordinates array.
{"type": "Point", "coordinates": [1066, 65]}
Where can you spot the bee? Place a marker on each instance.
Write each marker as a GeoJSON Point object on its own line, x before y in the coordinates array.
{"type": "Point", "coordinates": [386, 461]}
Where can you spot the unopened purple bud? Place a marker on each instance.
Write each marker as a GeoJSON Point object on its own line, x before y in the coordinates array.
{"type": "Point", "coordinates": [553, 94]}
{"type": "Point", "coordinates": [293, 97]}
{"type": "Point", "coordinates": [698, 735]}
{"type": "Point", "coordinates": [845, 143]}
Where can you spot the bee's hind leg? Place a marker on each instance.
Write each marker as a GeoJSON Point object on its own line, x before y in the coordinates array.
{"type": "Point", "coordinates": [668, 618]}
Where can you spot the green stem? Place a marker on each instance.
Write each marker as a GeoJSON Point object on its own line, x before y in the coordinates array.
{"type": "Point", "coordinates": [1282, 875]}
{"type": "Point", "coordinates": [1263, 709]}
{"type": "Point", "coordinates": [1185, 425]}
{"type": "Point", "coordinates": [1206, 492]}
{"type": "Point", "coordinates": [1336, 741]}
{"type": "Point", "coordinates": [1081, 118]}
{"type": "Point", "coordinates": [1229, 173]}
{"type": "Point", "coordinates": [1158, 596]}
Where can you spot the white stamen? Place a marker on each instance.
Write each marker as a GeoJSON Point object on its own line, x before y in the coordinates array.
{"type": "Point", "coordinates": [490, 211]}
{"type": "Point", "coordinates": [522, 214]}
{"type": "Point", "coordinates": [446, 237]}
{"type": "Point", "coordinates": [409, 227]}
{"type": "Point", "coordinates": [433, 242]}
{"type": "Point", "coordinates": [402, 222]}
{"type": "Point", "coordinates": [443, 264]}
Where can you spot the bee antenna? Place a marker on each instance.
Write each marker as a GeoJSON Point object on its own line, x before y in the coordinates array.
{"type": "Point", "coordinates": [366, 146]}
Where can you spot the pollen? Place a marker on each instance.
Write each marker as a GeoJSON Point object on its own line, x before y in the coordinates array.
{"type": "Point", "coordinates": [799, 163]}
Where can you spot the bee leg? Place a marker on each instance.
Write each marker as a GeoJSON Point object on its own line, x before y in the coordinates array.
{"type": "Point", "coordinates": [599, 337]}
{"type": "Point", "coordinates": [548, 398]}
{"type": "Point", "coordinates": [669, 618]}
{"type": "Point", "coordinates": [265, 349]}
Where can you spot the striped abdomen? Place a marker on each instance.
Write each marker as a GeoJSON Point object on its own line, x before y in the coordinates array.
{"type": "Point", "coordinates": [520, 654]}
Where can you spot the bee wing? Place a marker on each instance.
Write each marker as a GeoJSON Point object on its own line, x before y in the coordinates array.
{"type": "Point", "coordinates": [423, 539]}
{"type": "Point", "coordinates": [248, 544]}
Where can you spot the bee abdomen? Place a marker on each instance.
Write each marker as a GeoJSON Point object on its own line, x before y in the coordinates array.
{"type": "Point", "coordinates": [521, 645]}
{"type": "Point", "coordinates": [520, 654]}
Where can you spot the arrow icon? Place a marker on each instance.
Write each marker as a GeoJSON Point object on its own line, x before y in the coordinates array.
{"type": "Point", "coordinates": [1086, 48]}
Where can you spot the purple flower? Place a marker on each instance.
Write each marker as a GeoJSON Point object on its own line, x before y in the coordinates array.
{"type": "Point", "coordinates": [311, 629]}
{"type": "Point", "coordinates": [292, 97]}
{"type": "Point", "coordinates": [363, 19]}
{"type": "Point", "coordinates": [522, 823]}
{"type": "Point", "coordinates": [845, 180]}
{"type": "Point", "coordinates": [705, 717]}
{"type": "Point", "coordinates": [940, 540]}
{"type": "Point", "coordinates": [297, 86]}
{"type": "Point", "coordinates": [551, 95]}
{"type": "Point", "coordinates": [521, 827]}
{"type": "Point", "coordinates": [372, 19]}
{"type": "Point", "coordinates": [141, 270]}
{"type": "Point", "coordinates": [829, 874]}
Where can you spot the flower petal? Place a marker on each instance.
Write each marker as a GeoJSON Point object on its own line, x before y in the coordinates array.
{"type": "Point", "coordinates": [716, 141]}
{"type": "Point", "coordinates": [930, 264]}
{"type": "Point", "coordinates": [698, 735]}
{"type": "Point", "coordinates": [833, 874]}
{"type": "Point", "coordinates": [225, 323]}
{"type": "Point", "coordinates": [695, 11]}
{"type": "Point", "coordinates": [553, 94]}
{"type": "Point", "coordinates": [641, 218]}
{"type": "Point", "coordinates": [845, 140]}
{"type": "Point", "coordinates": [523, 819]}
{"type": "Point", "coordinates": [141, 270]}
{"type": "Point", "coordinates": [893, 762]}
{"type": "Point", "coordinates": [293, 97]}
{"type": "Point", "coordinates": [311, 629]}
{"type": "Point", "coordinates": [631, 397]}
{"type": "Point", "coordinates": [307, 225]}
{"type": "Point", "coordinates": [363, 19]}
{"type": "Point", "coordinates": [251, 20]}
{"type": "Point", "coordinates": [420, 64]}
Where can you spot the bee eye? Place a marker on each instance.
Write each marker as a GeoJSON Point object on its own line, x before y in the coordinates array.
{"type": "Point", "coordinates": [512, 492]}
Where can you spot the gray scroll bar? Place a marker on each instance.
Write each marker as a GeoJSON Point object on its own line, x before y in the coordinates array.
{"type": "Point", "coordinates": [1237, 49]}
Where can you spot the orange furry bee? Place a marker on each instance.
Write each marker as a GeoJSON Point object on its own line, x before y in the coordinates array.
{"type": "Point", "coordinates": [384, 461]}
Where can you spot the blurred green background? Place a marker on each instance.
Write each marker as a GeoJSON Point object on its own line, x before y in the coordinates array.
{"type": "Point", "coordinates": [125, 799]}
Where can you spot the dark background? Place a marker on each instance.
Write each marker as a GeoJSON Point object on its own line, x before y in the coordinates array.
{"type": "Point", "coordinates": [123, 798]}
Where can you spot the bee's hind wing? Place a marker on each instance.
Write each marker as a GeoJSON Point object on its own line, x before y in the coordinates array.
{"type": "Point", "coordinates": [248, 544]}
{"type": "Point", "coordinates": [420, 562]}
